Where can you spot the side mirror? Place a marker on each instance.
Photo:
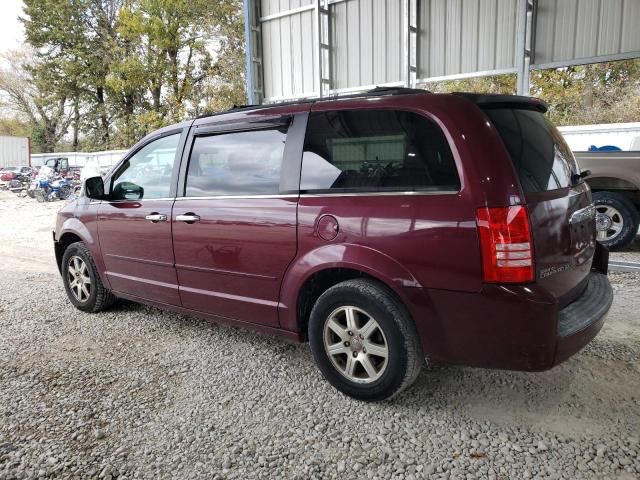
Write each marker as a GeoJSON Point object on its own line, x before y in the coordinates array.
{"type": "Point", "coordinates": [94, 188]}
{"type": "Point", "coordinates": [127, 191]}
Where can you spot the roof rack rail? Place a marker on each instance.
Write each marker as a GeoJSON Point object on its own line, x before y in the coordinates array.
{"type": "Point", "coordinates": [240, 107]}
{"type": "Point", "coordinates": [232, 109]}
{"type": "Point", "coordinates": [395, 91]}
{"type": "Point", "coordinates": [377, 91]}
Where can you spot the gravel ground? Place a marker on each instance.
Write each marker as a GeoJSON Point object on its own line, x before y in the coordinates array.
{"type": "Point", "coordinates": [140, 393]}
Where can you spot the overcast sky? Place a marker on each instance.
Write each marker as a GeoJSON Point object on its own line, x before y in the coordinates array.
{"type": "Point", "coordinates": [11, 30]}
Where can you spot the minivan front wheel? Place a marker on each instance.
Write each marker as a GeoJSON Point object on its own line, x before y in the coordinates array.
{"type": "Point", "coordinates": [81, 280]}
{"type": "Point", "coordinates": [364, 340]}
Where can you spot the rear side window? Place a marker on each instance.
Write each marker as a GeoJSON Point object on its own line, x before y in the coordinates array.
{"type": "Point", "coordinates": [539, 153]}
{"type": "Point", "coordinates": [241, 163]}
{"type": "Point", "coordinates": [375, 151]}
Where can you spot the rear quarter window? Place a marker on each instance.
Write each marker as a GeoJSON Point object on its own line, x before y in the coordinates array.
{"type": "Point", "coordinates": [375, 151]}
{"type": "Point", "coordinates": [541, 157]}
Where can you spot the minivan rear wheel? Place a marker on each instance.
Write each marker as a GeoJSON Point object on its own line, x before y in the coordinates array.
{"type": "Point", "coordinates": [364, 340]}
{"type": "Point", "coordinates": [81, 280]}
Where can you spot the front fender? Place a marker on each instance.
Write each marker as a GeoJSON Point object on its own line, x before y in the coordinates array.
{"type": "Point", "coordinates": [76, 227]}
{"type": "Point", "coordinates": [351, 256]}
{"type": "Point", "coordinates": [81, 224]}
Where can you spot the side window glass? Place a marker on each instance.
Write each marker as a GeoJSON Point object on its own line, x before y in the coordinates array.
{"type": "Point", "coordinates": [240, 163]}
{"type": "Point", "coordinates": [64, 164]}
{"type": "Point", "coordinates": [376, 150]}
{"type": "Point", "coordinates": [147, 174]}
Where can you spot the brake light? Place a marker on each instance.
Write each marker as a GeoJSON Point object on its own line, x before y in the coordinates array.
{"type": "Point", "coordinates": [505, 244]}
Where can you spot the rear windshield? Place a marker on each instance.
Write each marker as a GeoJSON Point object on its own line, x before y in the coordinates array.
{"type": "Point", "coordinates": [539, 153]}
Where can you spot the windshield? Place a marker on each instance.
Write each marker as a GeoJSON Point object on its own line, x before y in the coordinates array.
{"type": "Point", "coordinates": [539, 153]}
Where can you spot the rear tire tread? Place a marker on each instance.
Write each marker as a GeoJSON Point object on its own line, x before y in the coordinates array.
{"type": "Point", "coordinates": [401, 319]}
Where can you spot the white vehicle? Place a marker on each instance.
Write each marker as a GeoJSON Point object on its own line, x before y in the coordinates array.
{"type": "Point", "coordinates": [611, 153]}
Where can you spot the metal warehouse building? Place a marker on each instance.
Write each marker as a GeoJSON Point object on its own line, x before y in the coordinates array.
{"type": "Point", "coordinates": [311, 48]}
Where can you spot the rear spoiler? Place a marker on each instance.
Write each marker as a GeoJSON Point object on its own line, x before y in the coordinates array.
{"type": "Point", "coordinates": [493, 100]}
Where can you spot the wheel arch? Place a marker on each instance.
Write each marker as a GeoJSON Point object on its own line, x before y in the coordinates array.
{"type": "Point", "coordinates": [320, 269]}
{"type": "Point", "coordinates": [62, 244]}
{"type": "Point", "coordinates": [71, 231]}
{"type": "Point", "coordinates": [610, 183]}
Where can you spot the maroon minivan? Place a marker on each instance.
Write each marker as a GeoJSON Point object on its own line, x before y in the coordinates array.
{"type": "Point", "coordinates": [384, 228]}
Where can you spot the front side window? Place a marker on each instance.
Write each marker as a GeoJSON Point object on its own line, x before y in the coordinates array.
{"type": "Point", "coordinates": [147, 174]}
{"type": "Point", "coordinates": [239, 163]}
{"type": "Point", "coordinates": [376, 150]}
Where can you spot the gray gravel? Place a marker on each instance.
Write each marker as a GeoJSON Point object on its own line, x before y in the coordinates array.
{"type": "Point", "coordinates": [140, 393]}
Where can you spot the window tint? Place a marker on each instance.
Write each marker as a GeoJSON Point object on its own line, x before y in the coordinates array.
{"type": "Point", "coordinates": [150, 170]}
{"type": "Point", "coordinates": [241, 163]}
{"type": "Point", "coordinates": [539, 153]}
{"type": "Point", "coordinates": [376, 150]}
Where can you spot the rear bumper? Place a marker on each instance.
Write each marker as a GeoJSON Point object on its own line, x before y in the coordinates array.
{"type": "Point", "coordinates": [510, 327]}
{"type": "Point", "coordinates": [581, 320]}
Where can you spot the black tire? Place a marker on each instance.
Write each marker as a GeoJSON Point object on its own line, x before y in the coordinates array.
{"type": "Point", "coordinates": [628, 213]}
{"type": "Point", "coordinates": [99, 297]}
{"type": "Point", "coordinates": [64, 192]}
{"type": "Point", "coordinates": [405, 357]}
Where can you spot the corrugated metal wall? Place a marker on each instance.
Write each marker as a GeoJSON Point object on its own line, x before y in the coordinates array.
{"type": "Point", "coordinates": [464, 36]}
{"type": "Point", "coordinates": [406, 42]}
{"type": "Point", "coordinates": [288, 53]}
{"type": "Point", "coordinates": [571, 30]}
{"type": "Point", "coordinates": [366, 42]}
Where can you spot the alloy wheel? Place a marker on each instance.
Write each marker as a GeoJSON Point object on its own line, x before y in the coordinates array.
{"type": "Point", "coordinates": [355, 344]}
{"type": "Point", "coordinates": [78, 278]}
{"type": "Point", "coordinates": [609, 222]}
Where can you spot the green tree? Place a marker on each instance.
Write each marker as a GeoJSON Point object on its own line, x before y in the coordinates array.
{"type": "Point", "coordinates": [75, 38]}
{"type": "Point", "coordinates": [14, 126]}
{"type": "Point", "coordinates": [175, 45]}
{"type": "Point", "coordinates": [34, 99]}
{"type": "Point", "coordinates": [585, 94]}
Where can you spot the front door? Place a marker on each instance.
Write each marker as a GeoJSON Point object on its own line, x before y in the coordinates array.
{"type": "Point", "coordinates": [234, 229]}
{"type": "Point", "coordinates": [135, 223]}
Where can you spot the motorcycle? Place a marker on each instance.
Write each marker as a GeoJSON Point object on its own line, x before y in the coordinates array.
{"type": "Point", "coordinates": [19, 186]}
{"type": "Point", "coordinates": [34, 186]}
{"type": "Point", "coordinates": [48, 191]}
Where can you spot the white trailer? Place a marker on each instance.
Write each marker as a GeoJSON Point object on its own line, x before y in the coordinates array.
{"type": "Point", "coordinates": [103, 159]}
{"type": "Point", "coordinates": [14, 151]}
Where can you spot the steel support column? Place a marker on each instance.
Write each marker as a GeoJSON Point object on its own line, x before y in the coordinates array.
{"type": "Point", "coordinates": [526, 12]}
{"type": "Point", "coordinates": [253, 51]}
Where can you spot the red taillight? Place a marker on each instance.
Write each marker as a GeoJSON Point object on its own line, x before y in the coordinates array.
{"type": "Point", "coordinates": [506, 245]}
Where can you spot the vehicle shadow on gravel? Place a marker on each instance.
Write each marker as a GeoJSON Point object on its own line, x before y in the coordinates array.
{"type": "Point", "coordinates": [568, 400]}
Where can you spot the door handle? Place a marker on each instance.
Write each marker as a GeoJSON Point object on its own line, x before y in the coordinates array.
{"type": "Point", "coordinates": [188, 218]}
{"type": "Point", "coordinates": [156, 217]}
